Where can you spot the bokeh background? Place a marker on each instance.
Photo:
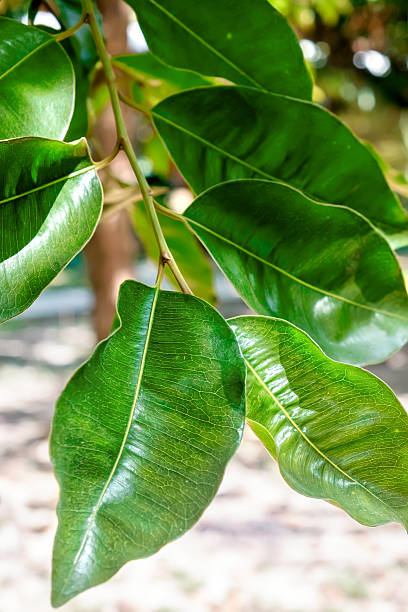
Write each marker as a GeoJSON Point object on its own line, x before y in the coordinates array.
{"type": "Point", "coordinates": [260, 547]}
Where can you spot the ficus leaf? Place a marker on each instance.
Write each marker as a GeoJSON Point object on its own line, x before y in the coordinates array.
{"type": "Point", "coordinates": [34, 100]}
{"type": "Point", "coordinates": [187, 251]}
{"type": "Point", "coordinates": [142, 434]}
{"type": "Point", "coordinates": [50, 203]}
{"type": "Point", "coordinates": [247, 42]}
{"type": "Point", "coordinates": [239, 132]}
{"type": "Point", "coordinates": [342, 284]}
{"type": "Point", "coordinates": [337, 432]}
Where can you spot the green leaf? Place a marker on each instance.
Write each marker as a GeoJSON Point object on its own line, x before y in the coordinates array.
{"type": "Point", "coordinates": [237, 132]}
{"type": "Point", "coordinates": [337, 432]}
{"type": "Point", "coordinates": [190, 257]}
{"type": "Point", "coordinates": [142, 434]}
{"type": "Point", "coordinates": [247, 42]}
{"type": "Point", "coordinates": [50, 203]}
{"type": "Point", "coordinates": [154, 78]}
{"type": "Point", "coordinates": [342, 285]}
{"type": "Point", "coordinates": [78, 127]}
{"type": "Point", "coordinates": [34, 99]}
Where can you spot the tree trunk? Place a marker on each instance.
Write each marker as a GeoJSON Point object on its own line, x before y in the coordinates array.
{"type": "Point", "coordinates": [110, 253]}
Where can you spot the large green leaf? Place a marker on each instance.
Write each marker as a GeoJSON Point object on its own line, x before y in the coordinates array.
{"type": "Point", "coordinates": [36, 83]}
{"type": "Point", "coordinates": [337, 432]}
{"type": "Point", "coordinates": [50, 202]}
{"type": "Point", "coordinates": [322, 267]}
{"type": "Point", "coordinates": [247, 42]}
{"type": "Point", "coordinates": [238, 132]}
{"type": "Point", "coordinates": [188, 253]}
{"type": "Point", "coordinates": [142, 434]}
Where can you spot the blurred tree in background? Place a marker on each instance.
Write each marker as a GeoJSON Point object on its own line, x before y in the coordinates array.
{"type": "Point", "coordinates": [358, 51]}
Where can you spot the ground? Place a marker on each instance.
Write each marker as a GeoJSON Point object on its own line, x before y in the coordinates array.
{"type": "Point", "coordinates": [260, 547]}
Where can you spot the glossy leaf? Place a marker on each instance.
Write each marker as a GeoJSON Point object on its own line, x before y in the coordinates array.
{"type": "Point", "coordinates": [188, 253]}
{"type": "Point", "coordinates": [154, 78]}
{"type": "Point", "coordinates": [247, 42]}
{"type": "Point", "coordinates": [142, 434]}
{"type": "Point", "coordinates": [50, 202]}
{"type": "Point", "coordinates": [322, 267]}
{"type": "Point", "coordinates": [337, 432]}
{"type": "Point", "coordinates": [34, 100]}
{"type": "Point", "coordinates": [237, 132]}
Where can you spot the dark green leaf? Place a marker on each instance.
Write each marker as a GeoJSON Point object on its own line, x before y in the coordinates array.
{"type": "Point", "coordinates": [33, 9]}
{"type": "Point", "coordinates": [79, 121]}
{"type": "Point", "coordinates": [142, 434]}
{"type": "Point", "coordinates": [322, 267]}
{"type": "Point", "coordinates": [247, 42]}
{"type": "Point", "coordinates": [190, 257]}
{"type": "Point", "coordinates": [50, 202]}
{"type": "Point", "coordinates": [237, 132]}
{"type": "Point", "coordinates": [34, 99]}
{"type": "Point", "coordinates": [156, 79]}
{"type": "Point", "coordinates": [337, 432]}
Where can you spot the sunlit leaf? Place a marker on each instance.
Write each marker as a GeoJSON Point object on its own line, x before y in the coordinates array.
{"type": "Point", "coordinates": [142, 434]}
{"type": "Point", "coordinates": [50, 202]}
{"type": "Point", "coordinates": [155, 79]}
{"type": "Point", "coordinates": [337, 432]}
{"type": "Point", "coordinates": [34, 99]}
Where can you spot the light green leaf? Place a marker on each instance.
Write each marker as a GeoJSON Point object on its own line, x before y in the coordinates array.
{"type": "Point", "coordinates": [36, 83]}
{"type": "Point", "coordinates": [237, 132]}
{"type": "Point", "coordinates": [188, 253]}
{"type": "Point", "coordinates": [342, 284]}
{"type": "Point", "coordinates": [158, 80]}
{"type": "Point", "coordinates": [142, 434]}
{"type": "Point", "coordinates": [337, 432]}
{"type": "Point", "coordinates": [50, 203]}
{"type": "Point", "coordinates": [247, 42]}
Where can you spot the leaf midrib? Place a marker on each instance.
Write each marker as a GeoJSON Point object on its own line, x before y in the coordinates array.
{"type": "Point", "coordinates": [206, 44]}
{"type": "Point", "coordinates": [50, 184]}
{"type": "Point", "coordinates": [26, 57]}
{"type": "Point", "coordinates": [307, 440]}
{"type": "Point", "coordinates": [295, 278]}
{"type": "Point", "coordinates": [125, 436]}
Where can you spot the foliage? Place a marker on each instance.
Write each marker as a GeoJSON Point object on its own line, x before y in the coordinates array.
{"type": "Point", "coordinates": [296, 212]}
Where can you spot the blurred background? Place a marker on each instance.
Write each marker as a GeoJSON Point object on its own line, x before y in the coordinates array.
{"type": "Point", "coordinates": [260, 547]}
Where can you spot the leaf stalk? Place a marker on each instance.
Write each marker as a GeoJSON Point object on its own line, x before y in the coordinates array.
{"type": "Point", "coordinates": [71, 31]}
{"type": "Point", "coordinates": [125, 143]}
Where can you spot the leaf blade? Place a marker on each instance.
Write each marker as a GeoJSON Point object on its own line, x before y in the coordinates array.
{"type": "Point", "coordinates": [174, 419]}
{"type": "Point", "coordinates": [330, 441]}
{"type": "Point", "coordinates": [214, 39]}
{"type": "Point", "coordinates": [238, 132]}
{"type": "Point", "coordinates": [33, 101]}
{"type": "Point", "coordinates": [50, 192]}
{"type": "Point", "coordinates": [331, 286]}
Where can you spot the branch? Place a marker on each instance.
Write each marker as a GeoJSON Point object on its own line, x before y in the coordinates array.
{"type": "Point", "coordinates": [124, 141]}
